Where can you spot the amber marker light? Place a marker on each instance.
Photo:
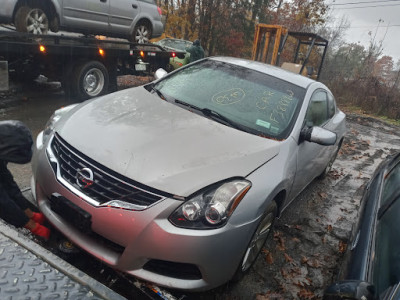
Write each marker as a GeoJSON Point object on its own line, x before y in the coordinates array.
{"type": "Point", "coordinates": [141, 53]}
{"type": "Point", "coordinates": [42, 49]}
{"type": "Point", "coordinates": [102, 52]}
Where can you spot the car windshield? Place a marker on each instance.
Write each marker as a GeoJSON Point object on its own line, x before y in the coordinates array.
{"type": "Point", "coordinates": [387, 262]}
{"type": "Point", "coordinates": [176, 44]}
{"type": "Point", "coordinates": [263, 104]}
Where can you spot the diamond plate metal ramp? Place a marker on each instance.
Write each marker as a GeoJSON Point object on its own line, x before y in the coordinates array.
{"type": "Point", "coordinates": [30, 272]}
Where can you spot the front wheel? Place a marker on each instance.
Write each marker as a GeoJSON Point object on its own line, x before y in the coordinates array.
{"type": "Point", "coordinates": [257, 241]}
{"type": "Point", "coordinates": [31, 20]}
{"type": "Point", "coordinates": [90, 80]}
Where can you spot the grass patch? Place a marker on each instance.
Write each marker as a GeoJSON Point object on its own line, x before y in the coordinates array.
{"type": "Point", "coordinates": [359, 111]}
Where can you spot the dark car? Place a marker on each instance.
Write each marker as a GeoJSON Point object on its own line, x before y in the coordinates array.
{"type": "Point", "coordinates": [372, 262]}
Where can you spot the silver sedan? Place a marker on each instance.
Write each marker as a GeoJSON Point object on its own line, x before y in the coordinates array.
{"type": "Point", "coordinates": [178, 182]}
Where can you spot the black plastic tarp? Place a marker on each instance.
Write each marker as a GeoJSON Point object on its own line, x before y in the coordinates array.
{"type": "Point", "coordinates": [15, 142]}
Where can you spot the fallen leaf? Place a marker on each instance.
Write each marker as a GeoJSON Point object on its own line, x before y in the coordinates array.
{"type": "Point", "coordinates": [284, 274]}
{"type": "Point", "coordinates": [269, 296]}
{"type": "Point", "coordinates": [295, 271]}
{"type": "Point", "coordinates": [314, 263]}
{"type": "Point", "coordinates": [304, 259]}
{"type": "Point", "coordinates": [288, 258]}
{"type": "Point", "coordinates": [342, 247]}
{"type": "Point", "coordinates": [280, 241]}
{"type": "Point", "coordinates": [329, 228]}
{"type": "Point", "coordinates": [268, 257]}
{"type": "Point", "coordinates": [299, 284]}
{"type": "Point", "coordinates": [296, 240]}
{"type": "Point", "coordinates": [323, 195]}
{"type": "Point", "coordinates": [306, 294]}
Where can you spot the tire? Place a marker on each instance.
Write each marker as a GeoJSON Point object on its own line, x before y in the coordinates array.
{"type": "Point", "coordinates": [89, 80]}
{"type": "Point", "coordinates": [257, 241]}
{"type": "Point", "coordinates": [31, 20]}
{"type": "Point", "coordinates": [169, 68]}
{"type": "Point", "coordinates": [142, 33]}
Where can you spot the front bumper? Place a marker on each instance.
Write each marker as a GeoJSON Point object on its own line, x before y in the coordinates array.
{"type": "Point", "coordinates": [144, 243]}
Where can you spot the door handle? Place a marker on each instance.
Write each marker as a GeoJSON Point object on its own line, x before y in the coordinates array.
{"type": "Point", "coordinates": [134, 6]}
{"type": "Point", "coordinates": [103, 0]}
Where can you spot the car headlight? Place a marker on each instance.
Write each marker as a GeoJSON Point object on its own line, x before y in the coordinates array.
{"type": "Point", "coordinates": [56, 116]}
{"type": "Point", "coordinates": [211, 208]}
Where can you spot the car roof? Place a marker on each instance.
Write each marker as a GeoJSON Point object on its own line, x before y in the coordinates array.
{"type": "Point", "coordinates": [277, 72]}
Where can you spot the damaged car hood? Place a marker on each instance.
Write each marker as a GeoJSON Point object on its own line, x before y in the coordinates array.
{"type": "Point", "coordinates": [160, 144]}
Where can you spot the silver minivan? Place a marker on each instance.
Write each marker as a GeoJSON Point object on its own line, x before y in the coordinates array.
{"type": "Point", "coordinates": [136, 20]}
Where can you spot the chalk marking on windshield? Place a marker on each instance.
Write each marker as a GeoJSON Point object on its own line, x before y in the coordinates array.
{"type": "Point", "coordinates": [282, 109]}
{"type": "Point", "coordinates": [229, 97]}
{"type": "Point", "coordinates": [265, 100]}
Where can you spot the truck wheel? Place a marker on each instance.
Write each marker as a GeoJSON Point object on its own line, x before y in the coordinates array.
{"type": "Point", "coordinates": [257, 241]}
{"type": "Point", "coordinates": [90, 80]}
{"type": "Point", "coordinates": [32, 20]}
{"type": "Point", "coordinates": [142, 33]}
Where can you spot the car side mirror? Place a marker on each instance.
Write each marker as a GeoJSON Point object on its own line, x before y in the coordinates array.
{"type": "Point", "coordinates": [318, 135]}
{"type": "Point", "coordinates": [160, 73]}
{"type": "Point", "coordinates": [350, 289]}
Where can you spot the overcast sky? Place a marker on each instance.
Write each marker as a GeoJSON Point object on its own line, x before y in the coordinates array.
{"type": "Point", "coordinates": [380, 18]}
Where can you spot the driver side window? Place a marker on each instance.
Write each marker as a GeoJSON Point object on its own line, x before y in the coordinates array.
{"type": "Point", "coordinates": [317, 112]}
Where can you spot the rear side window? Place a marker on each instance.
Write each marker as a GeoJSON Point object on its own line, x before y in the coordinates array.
{"type": "Point", "coordinates": [331, 106]}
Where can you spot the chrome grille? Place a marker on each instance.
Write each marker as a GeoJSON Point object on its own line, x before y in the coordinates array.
{"type": "Point", "coordinates": [108, 185]}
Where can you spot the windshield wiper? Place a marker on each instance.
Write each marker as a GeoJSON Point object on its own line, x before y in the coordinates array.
{"type": "Point", "coordinates": [159, 93]}
{"type": "Point", "coordinates": [212, 114]}
{"type": "Point", "coordinates": [188, 104]}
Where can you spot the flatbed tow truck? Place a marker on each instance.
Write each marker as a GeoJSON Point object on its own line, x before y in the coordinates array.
{"type": "Point", "coordinates": [87, 67]}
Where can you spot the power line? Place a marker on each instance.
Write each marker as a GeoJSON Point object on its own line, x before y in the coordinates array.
{"type": "Point", "coordinates": [363, 2]}
{"type": "Point", "coordinates": [371, 26]}
{"type": "Point", "coordinates": [354, 7]}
